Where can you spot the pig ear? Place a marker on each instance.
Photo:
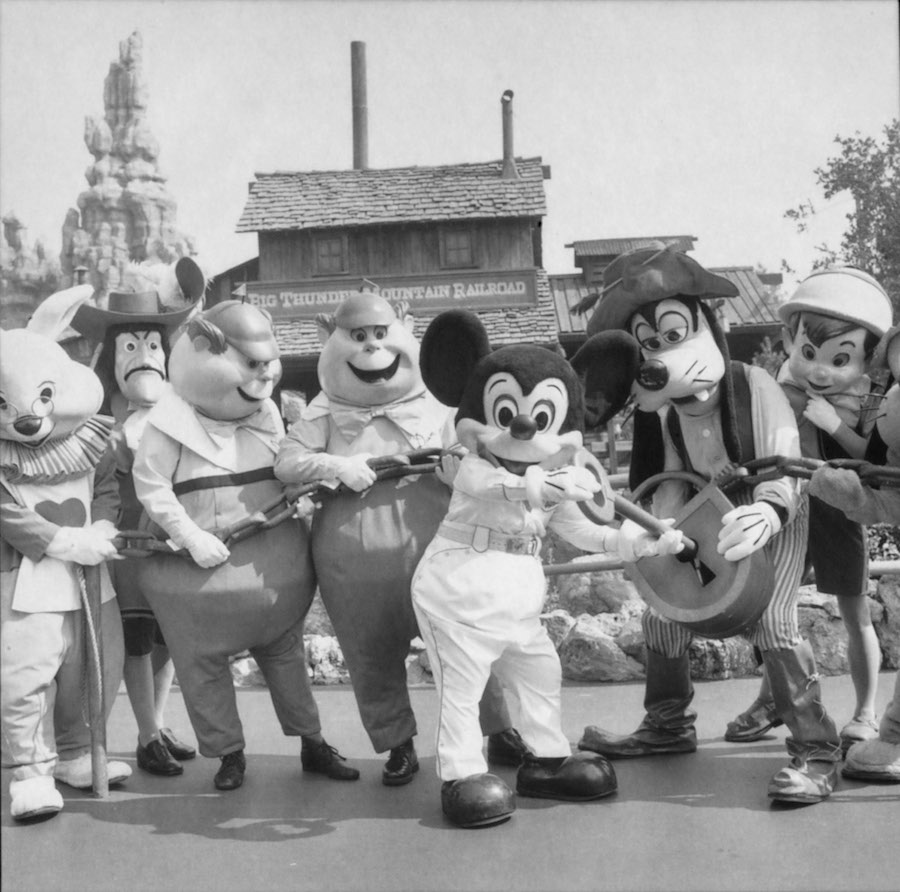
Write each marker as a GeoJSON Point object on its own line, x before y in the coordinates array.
{"type": "Point", "coordinates": [206, 336]}
{"type": "Point", "coordinates": [55, 313]}
{"type": "Point", "coordinates": [608, 365]}
{"type": "Point", "coordinates": [325, 326]}
{"type": "Point", "coordinates": [452, 346]}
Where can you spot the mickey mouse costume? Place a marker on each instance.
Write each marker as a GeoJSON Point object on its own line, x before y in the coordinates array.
{"type": "Point", "coordinates": [479, 589]}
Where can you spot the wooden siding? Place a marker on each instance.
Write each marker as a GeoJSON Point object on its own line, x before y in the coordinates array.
{"type": "Point", "coordinates": [396, 250]}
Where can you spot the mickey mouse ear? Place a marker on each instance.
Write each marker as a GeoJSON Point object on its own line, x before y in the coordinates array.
{"type": "Point", "coordinates": [608, 363]}
{"type": "Point", "coordinates": [451, 347]}
{"type": "Point", "coordinates": [190, 278]}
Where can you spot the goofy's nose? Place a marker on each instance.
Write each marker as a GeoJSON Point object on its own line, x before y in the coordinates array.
{"type": "Point", "coordinates": [27, 425]}
{"type": "Point", "coordinates": [653, 374]}
{"type": "Point", "coordinates": [523, 427]}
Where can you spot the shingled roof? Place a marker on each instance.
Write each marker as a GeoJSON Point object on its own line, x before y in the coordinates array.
{"type": "Point", "coordinates": [287, 200]}
{"type": "Point", "coordinates": [515, 325]}
{"type": "Point", "coordinates": [612, 247]}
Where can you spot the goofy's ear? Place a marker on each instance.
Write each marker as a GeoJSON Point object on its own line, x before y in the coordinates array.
{"type": "Point", "coordinates": [608, 365]}
{"type": "Point", "coordinates": [452, 346]}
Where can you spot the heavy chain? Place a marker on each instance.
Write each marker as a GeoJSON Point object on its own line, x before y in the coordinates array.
{"type": "Point", "coordinates": [142, 543]}
{"type": "Point", "coordinates": [761, 469]}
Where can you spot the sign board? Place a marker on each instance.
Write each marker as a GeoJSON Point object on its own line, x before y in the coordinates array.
{"type": "Point", "coordinates": [428, 293]}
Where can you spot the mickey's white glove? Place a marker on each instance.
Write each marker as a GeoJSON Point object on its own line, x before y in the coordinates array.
{"type": "Point", "coordinates": [746, 529]}
{"type": "Point", "coordinates": [355, 473]}
{"type": "Point", "coordinates": [448, 469]}
{"type": "Point", "coordinates": [87, 546]}
{"type": "Point", "coordinates": [543, 488]}
{"type": "Point", "coordinates": [632, 541]}
{"type": "Point", "coordinates": [206, 549]}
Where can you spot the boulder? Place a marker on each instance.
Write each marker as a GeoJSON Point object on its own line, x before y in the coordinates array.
{"type": "Point", "coordinates": [887, 594]}
{"type": "Point", "coordinates": [594, 593]}
{"type": "Point", "coordinates": [558, 623]}
{"type": "Point", "coordinates": [589, 653]}
{"type": "Point", "coordinates": [712, 659]}
{"type": "Point", "coordinates": [325, 660]}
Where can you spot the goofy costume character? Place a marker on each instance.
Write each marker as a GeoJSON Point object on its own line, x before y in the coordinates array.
{"type": "Point", "coordinates": [714, 413]}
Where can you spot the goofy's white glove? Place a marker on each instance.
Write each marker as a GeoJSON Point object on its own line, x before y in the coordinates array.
{"type": "Point", "coordinates": [746, 529]}
{"type": "Point", "coordinates": [632, 541]}
{"type": "Point", "coordinates": [544, 488]}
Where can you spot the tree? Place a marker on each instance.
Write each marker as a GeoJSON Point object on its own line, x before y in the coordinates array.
{"type": "Point", "coordinates": [870, 171]}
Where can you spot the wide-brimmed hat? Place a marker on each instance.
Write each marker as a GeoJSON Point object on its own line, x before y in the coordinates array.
{"type": "Point", "coordinates": [142, 307]}
{"type": "Point", "coordinates": [646, 275]}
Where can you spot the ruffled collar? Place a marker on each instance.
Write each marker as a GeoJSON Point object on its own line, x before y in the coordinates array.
{"type": "Point", "coordinates": [57, 460]}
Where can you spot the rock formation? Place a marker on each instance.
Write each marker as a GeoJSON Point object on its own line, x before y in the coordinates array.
{"type": "Point", "coordinates": [127, 214]}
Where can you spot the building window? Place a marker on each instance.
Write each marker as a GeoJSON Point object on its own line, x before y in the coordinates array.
{"type": "Point", "coordinates": [331, 254]}
{"type": "Point", "coordinates": [457, 249]}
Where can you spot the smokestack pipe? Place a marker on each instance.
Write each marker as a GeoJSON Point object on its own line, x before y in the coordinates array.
{"type": "Point", "coordinates": [360, 106]}
{"type": "Point", "coordinates": [510, 172]}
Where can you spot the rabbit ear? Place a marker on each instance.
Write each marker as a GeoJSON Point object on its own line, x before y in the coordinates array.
{"type": "Point", "coordinates": [55, 313]}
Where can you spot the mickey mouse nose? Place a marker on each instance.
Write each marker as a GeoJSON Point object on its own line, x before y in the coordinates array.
{"type": "Point", "coordinates": [27, 425]}
{"type": "Point", "coordinates": [653, 375]}
{"type": "Point", "coordinates": [523, 427]}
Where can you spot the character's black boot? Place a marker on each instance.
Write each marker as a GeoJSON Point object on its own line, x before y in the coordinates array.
{"type": "Point", "coordinates": [668, 726]}
{"type": "Point", "coordinates": [814, 745]}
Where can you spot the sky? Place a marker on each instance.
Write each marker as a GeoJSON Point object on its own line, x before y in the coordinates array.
{"type": "Point", "coordinates": [656, 117]}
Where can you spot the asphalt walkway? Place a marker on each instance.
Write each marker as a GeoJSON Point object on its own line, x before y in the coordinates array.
{"type": "Point", "coordinates": [695, 822]}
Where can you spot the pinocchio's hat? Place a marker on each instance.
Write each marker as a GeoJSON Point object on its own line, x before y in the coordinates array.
{"type": "Point", "coordinates": [141, 307]}
{"type": "Point", "coordinates": [647, 275]}
{"type": "Point", "coordinates": [843, 292]}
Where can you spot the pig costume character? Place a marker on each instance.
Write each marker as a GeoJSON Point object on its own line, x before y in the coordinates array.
{"type": "Point", "coordinates": [206, 460]}
{"type": "Point", "coordinates": [366, 543]}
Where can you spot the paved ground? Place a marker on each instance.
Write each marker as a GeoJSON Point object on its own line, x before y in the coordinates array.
{"type": "Point", "coordinates": [696, 822]}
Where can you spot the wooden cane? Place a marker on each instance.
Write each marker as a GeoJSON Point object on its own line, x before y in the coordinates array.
{"type": "Point", "coordinates": [91, 594]}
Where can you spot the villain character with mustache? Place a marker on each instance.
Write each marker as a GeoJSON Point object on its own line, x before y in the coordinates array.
{"type": "Point", "coordinates": [134, 331]}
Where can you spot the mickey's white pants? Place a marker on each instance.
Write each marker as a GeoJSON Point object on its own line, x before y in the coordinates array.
{"type": "Point", "coordinates": [479, 612]}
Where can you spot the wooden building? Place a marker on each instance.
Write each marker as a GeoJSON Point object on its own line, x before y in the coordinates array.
{"type": "Point", "coordinates": [460, 235]}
